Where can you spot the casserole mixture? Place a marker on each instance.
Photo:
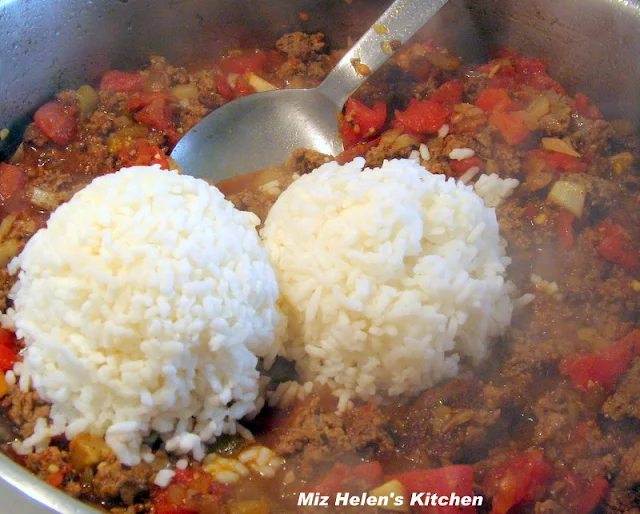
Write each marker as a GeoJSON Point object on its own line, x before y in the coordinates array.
{"type": "Point", "coordinates": [549, 423]}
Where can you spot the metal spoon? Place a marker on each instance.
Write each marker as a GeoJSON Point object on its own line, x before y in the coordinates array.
{"type": "Point", "coordinates": [262, 129]}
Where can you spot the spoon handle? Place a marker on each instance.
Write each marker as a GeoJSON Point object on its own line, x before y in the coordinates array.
{"type": "Point", "coordinates": [398, 23]}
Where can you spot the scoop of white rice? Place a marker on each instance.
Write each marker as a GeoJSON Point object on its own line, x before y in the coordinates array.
{"type": "Point", "coordinates": [144, 305]}
{"type": "Point", "coordinates": [389, 276]}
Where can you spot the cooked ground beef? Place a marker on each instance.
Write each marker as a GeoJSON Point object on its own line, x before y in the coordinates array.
{"type": "Point", "coordinates": [625, 401]}
{"type": "Point", "coordinates": [300, 45]}
{"type": "Point", "coordinates": [313, 433]}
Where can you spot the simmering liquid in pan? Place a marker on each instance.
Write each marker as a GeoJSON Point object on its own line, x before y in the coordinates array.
{"type": "Point", "coordinates": [546, 423]}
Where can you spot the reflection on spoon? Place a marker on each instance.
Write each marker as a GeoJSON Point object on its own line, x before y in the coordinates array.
{"type": "Point", "coordinates": [261, 130]}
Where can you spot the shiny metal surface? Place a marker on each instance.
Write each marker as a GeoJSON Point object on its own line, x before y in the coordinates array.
{"type": "Point", "coordinates": [48, 45]}
{"type": "Point", "coordinates": [258, 131]}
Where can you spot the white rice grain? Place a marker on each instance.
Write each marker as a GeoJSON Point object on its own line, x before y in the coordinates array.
{"type": "Point", "coordinates": [163, 477]}
{"type": "Point", "coordinates": [459, 154]}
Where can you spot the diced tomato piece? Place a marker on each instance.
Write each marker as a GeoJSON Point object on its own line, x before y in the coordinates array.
{"type": "Point", "coordinates": [223, 87]}
{"type": "Point", "coordinates": [8, 357]}
{"type": "Point", "coordinates": [56, 122]}
{"type": "Point", "coordinates": [139, 100]}
{"type": "Point", "coordinates": [581, 495]}
{"type": "Point", "coordinates": [441, 481]}
{"type": "Point", "coordinates": [154, 111]}
{"type": "Point", "coordinates": [580, 432]}
{"type": "Point", "coordinates": [7, 338]}
{"type": "Point", "coordinates": [528, 66]}
{"type": "Point", "coordinates": [617, 246]}
{"type": "Point", "coordinates": [602, 367]}
{"type": "Point", "coordinates": [358, 150]}
{"type": "Point", "coordinates": [449, 93]}
{"type": "Point", "coordinates": [255, 61]}
{"type": "Point", "coordinates": [242, 88]}
{"type": "Point", "coordinates": [12, 182]}
{"type": "Point", "coordinates": [633, 340]}
{"type": "Point", "coordinates": [564, 225]}
{"type": "Point", "coordinates": [334, 480]}
{"type": "Point", "coordinates": [520, 70]}
{"type": "Point", "coordinates": [494, 99]}
{"type": "Point", "coordinates": [156, 115]}
{"type": "Point", "coordinates": [181, 495]}
{"type": "Point", "coordinates": [462, 166]}
{"type": "Point", "coordinates": [512, 129]}
{"type": "Point", "coordinates": [586, 108]}
{"type": "Point", "coordinates": [545, 82]}
{"type": "Point", "coordinates": [140, 152]}
{"type": "Point", "coordinates": [520, 479]}
{"type": "Point", "coordinates": [360, 123]}
{"type": "Point", "coordinates": [559, 162]}
{"type": "Point", "coordinates": [424, 117]}
{"type": "Point", "coordinates": [122, 82]}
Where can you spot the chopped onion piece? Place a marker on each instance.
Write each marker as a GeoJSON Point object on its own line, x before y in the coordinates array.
{"type": "Point", "coordinates": [558, 145]}
{"type": "Point", "coordinates": [539, 106]}
{"type": "Point", "coordinates": [621, 162]}
{"type": "Point", "coordinates": [184, 92]}
{"type": "Point", "coordinates": [569, 196]}
{"type": "Point", "coordinates": [7, 223]}
{"type": "Point", "coordinates": [44, 199]}
{"type": "Point", "coordinates": [530, 120]}
{"type": "Point", "coordinates": [18, 155]}
{"type": "Point", "coordinates": [405, 141]}
{"type": "Point", "coordinates": [258, 83]}
{"type": "Point", "coordinates": [87, 100]}
{"type": "Point", "coordinates": [537, 178]}
{"type": "Point", "coordinates": [391, 489]}
{"type": "Point", "coordinates": [446, 62]}
{"type": "Point", "coordinates": [389, 136]}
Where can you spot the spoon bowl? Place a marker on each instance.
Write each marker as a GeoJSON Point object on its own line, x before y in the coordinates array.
{"type": "Point", "coordinates": [258, 131]}
{"type": "Point", "coordinates": [261, 130]}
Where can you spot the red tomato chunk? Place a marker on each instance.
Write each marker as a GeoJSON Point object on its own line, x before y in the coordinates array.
{"type": "Point", "coordinates": [564, 224]}
{"type": "Point", "coordinates": [240, 64]}
{"type": "Point", "coordinates": [521, 479]}
{"type": "Point", "coordinates": [556, 162]}
{"type": "Point", "coordinates": [496, 99]}
{"type": "Point", "coordinates": [56, 122]}
{"type": "Point", "coordinates": [617, 246]}
{"type": "Point", "coordinates": [361, 123]}
{"type": "Point", "coordinates": [439, 482]}
{"type": "Point", "coordinates": [8, 350]}
{"type": "Point", "coordinates": [335, 481]}
{"type": "Point", "coordinates": [462, 166]}
{"type": "Point", "coordinates": [122, 82]}
{"type": "Point", "coordinates": [449, 93]}
{"type": "Point", "coordinates": [12, 182]}
{"type": "Point", "coordinates": [512, 129]}
{"type": "Point", "coordinates": [602, 367]}
{"type": "Point", "coordinates": [581, 495]}
{"type": "Point", "coordinates": [424, 117]}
